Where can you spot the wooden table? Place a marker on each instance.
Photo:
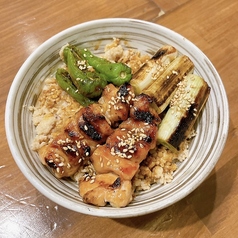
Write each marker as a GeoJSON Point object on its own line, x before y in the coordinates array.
{"type": "Point", "coordinates": [212, 209]}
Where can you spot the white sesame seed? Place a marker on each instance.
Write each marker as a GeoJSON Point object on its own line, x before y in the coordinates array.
{"type": "Point", "coordinates": [175, 72]}
{"type": "Point", "coordinates": [92, 181]}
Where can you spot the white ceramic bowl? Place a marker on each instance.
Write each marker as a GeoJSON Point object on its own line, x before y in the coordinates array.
{"type": "Point", "coordinates": [205, 149]}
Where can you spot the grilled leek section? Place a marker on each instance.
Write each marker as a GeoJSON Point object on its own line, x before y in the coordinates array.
{"type": "Point", "coordinates": [163, 87]}
{"type": "Point", "coordinates": [153, 68]}
{"type": "Point", "coordinates": [187, 102]}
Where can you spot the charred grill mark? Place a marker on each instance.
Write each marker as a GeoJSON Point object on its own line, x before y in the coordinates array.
{"type": "Point", "coordinates": [147, 117]}
{"type": "Point", "coordinates": [71, 133]}
{"type": "Point", "coordinates": [116, 183]}
{"type": "Point", "coordinates": [159, 54]}
{"type": "Point", "coordinates": [83, 149]}
{"type": "Point", "coordinates": [89, 130]}
{"type": "Point", "coordinates": [179, 135]}
{"type": "Point", "coordinates": [91, 124]}
{"type": "Point", "coordinates": [148, 139]}
{"type": "Point", "coordinates": [71, 150]}
{"type": "Point", "coordinates": [50, 163]}
{"type": "Point", "coordinates": [123, 91]}
{"type": "Point", "coordinates": [87, 150]}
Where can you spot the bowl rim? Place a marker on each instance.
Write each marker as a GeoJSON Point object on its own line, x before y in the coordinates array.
{"type": "Point", "coordinates": [93, 210]}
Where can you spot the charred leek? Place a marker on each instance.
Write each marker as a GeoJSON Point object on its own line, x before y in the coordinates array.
{"type": "Point", "coordinates": [188, 100]}
{"type": "Point", "coordinates": [153, 68]}
{"type": "Point", "coordinates": [163, 87]}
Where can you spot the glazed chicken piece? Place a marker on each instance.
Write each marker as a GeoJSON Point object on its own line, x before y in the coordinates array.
{"type": "Point", "coordinates": [63, 156]}
{"type": "Point", "coordinates": [82, 133]}
{"type": "Point", "coordinates": [125, 148]}
{"type": "Point", "coordinates": [105, 161]}
{"type": "Point", "coordinates": [142, 110]}
{"type": "Point", "coordinates": [75, 141]}
{"type": "Point", "coordinates": [106, 188]}
{"type": "Point", "coordinates": [116, 103]}
{"type": "Point", "coordinates": [92, 124]}
{"type": "Point", "coordinates": [129, 145]}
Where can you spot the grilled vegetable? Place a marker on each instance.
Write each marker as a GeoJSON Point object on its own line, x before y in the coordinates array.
{"type": "Point", "coordinates": [89, 83]}
{"type": "Point", "coordinates": [116, 73]}
{"type": "Point", "coordinates": [153, 68]}
{"type": "Point", "coordinates": [187, 102]}
{"type": "Point", "coordinates": [65, 82]}
{"type": "Point", "coordinates": [162, 88]}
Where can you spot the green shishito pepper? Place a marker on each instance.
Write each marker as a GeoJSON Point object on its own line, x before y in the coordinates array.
{"type": "Point", "coordinates": [65, 82]}
{"type": "Point", "coordinates": [116, 73]}
{"type": "Point", "coordinates": [89, 83]}
{"type": "Point", "coordinates": [86, 75]}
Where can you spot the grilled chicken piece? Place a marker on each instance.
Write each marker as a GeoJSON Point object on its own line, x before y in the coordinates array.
{"type": "Point", "coordinates": [62, 156]}
{"type": "Point", "coordinates": [128, 145]}
{"type": "Point", "coordinates": [116, 103]}
{"type": "Point", "coordinates": [106, 188]}
{"type": "Point", "coordinates": [142, 110]}
{"type": "Point", "coordinates": [118, 160]}
{"type": "Point", "coordinates": [105, 160]}
{"type": "Point", "coordinates": [93, 124]}
{"type": "Point", "coordinates": [75, 141]}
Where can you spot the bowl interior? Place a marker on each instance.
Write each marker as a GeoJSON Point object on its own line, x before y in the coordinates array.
{"type": "Point", "coordinates": [205, 149]}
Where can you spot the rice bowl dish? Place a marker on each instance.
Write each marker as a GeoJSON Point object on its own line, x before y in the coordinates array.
{"type": "Point", "coordinates": [28, 84]}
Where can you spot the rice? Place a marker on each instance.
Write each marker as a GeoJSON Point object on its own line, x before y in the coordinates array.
{"type": "Point", "coordinates": [158, 167]}
{"type": "Point", "coordinates": [133, 58]}
{"type": "Point", "coordinates": [52, 107]}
